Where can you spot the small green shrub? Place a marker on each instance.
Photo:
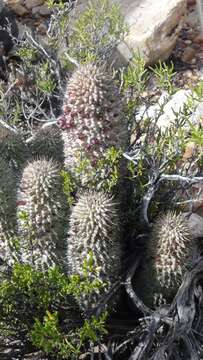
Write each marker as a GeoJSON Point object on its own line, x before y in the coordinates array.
{"type": "Point", "coordinates": [51, 321]}
{"type": "Point", "coordinates": [164, 74]}
{"type": "Point", "coordinates": [46, 335]}
{"type": "Point", "coordinates": [96, 32]}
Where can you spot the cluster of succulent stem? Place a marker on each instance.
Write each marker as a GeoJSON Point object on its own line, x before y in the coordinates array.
{"type": "Point", "coordinates": [35, 211]}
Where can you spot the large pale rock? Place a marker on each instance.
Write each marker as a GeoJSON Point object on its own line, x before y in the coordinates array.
{"type": "Point", "coordinates": [154, 26]}
{"type": "Point", "coordinates": [173, 106]}
{"type": "Point", "coordinates": [163, 113]}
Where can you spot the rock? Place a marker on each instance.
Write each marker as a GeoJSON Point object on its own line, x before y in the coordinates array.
{"type": "Point", "coordinates": [41, 10]}
{"type": "Point", "coordinates": [153, 28]}
{"type": "Point", "coordinates": [188, 42]}
{"type": "Point", "coordinates": [44, 10]}
{"type": "Point", "coordinates": [20, 10]}
{"type": "Point", "coordinates": [176, 104]}
{"type": "Point", "coordinates": [188, 74]}
{"type": "Point", "coordinates": [169, 104]}
{"type": "Point", "coordinates": [188, 54]}
{"type": "Point", "coordinates": [17, 6]}
{"type": "Point", "coordinates": [35, 10]}
{"type": "Point", "coordinates": [195, 223]}
{"type": "Point", "coordinates": [30, 4]}
{"type": "Point", "coordinates": [198, 39]}
{"type": "Point", "coordinates": [197, 116]}
{"type": "Point", "coordinates": [153, 111]}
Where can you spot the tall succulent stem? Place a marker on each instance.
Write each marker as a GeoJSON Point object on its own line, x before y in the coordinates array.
{"type": "Point", "coordinates": [42, 213]}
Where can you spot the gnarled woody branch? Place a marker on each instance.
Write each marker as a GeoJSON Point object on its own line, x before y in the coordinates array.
{"type": "Point", "coordinates": [183, 318]}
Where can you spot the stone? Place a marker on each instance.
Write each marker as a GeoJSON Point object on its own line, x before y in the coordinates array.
{"type": "Point", "coordinates": [154, 27]}
{"type": "Point", "coordinates": [175, 104]}
{"type": "Point", "coordinates": [35, 10]}
{"type": "Point", "coordinates": [188, 54]}
{"type": "Point", "coordinates": [195, 223]}
{"type": "Point", "coordinates": [197, 116]}
{"type": "Point", "coordinates": [170, 104]}
{"type": "Point", "coordinates": [153, 111]}
{"type": "Point", "coordinates": [188, 74]}
{"type": "Point", "coordinates": [11, 3]}
{"type": "Point", "coordinates": [188, 42]}
{"type": "Point", "coordinates": [198, 39]}
{"type": "Point", "coordinates": [43, 10]}
{"type": "Point", "coordinates": [20, 10]}
{"type": "Point", "coordinates": [30, 4]}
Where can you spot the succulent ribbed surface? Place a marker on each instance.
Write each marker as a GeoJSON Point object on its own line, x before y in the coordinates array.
{"type": "Point", "coordinates": [92, 114]}
{"type": "Point", "coordinates": [41, 200]}
{"type": "Point", "coordinates": [170, 249]}
{"type": "Point", "coordinates": [13, 149]}
{"type": "Point", "coordinates": [47, 142]}
{"type": "Point", "coordinates": [7, 212]}
{"type": "Point", "coordinates": [94, 228]}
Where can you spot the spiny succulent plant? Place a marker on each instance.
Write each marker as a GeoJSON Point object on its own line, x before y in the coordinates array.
{"type": "Point", "coordinates": [94, 229]}
{"type": "Point", "coordinates": [8, 189]}
{"type": "Point", "coordinates": [169, 251]}
{"type": "Point", "coordinates": [92, 117]}
{"type": "Point", "coordinates": [13, 149]}
{"type": "Point", "coordinates": [48, 143]}
{"type": "Point", "coordinates": [42, 214]}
